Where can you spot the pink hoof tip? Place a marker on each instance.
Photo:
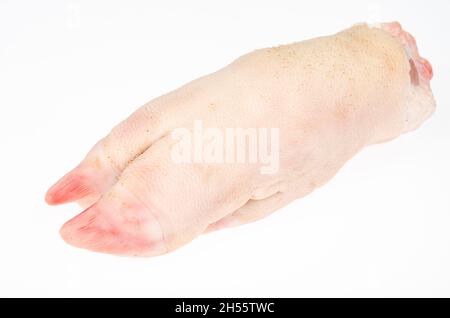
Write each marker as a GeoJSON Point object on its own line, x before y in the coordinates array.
{"type": "Point", "coordinates": [108, 231]}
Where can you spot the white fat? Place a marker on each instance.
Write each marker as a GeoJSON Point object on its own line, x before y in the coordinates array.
{"type": "Point", "coordinates": [420, 104]}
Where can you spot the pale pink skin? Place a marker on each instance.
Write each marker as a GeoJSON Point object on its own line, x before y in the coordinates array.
{"type": "Point", "coordinates": [329, 96]}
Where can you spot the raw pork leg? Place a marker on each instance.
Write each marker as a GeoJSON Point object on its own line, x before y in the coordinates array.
{"type": "Point", "coordinates": [329, 97]}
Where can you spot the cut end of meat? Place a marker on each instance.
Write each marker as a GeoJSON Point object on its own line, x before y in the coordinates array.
{"type": "Point", "coordinates": [422, 66]}
{"type": "Point", "coordinates": [420, 103]}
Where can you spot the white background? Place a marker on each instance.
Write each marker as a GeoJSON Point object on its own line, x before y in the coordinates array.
{"type": "Point", "coordinates": [70, 70]}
